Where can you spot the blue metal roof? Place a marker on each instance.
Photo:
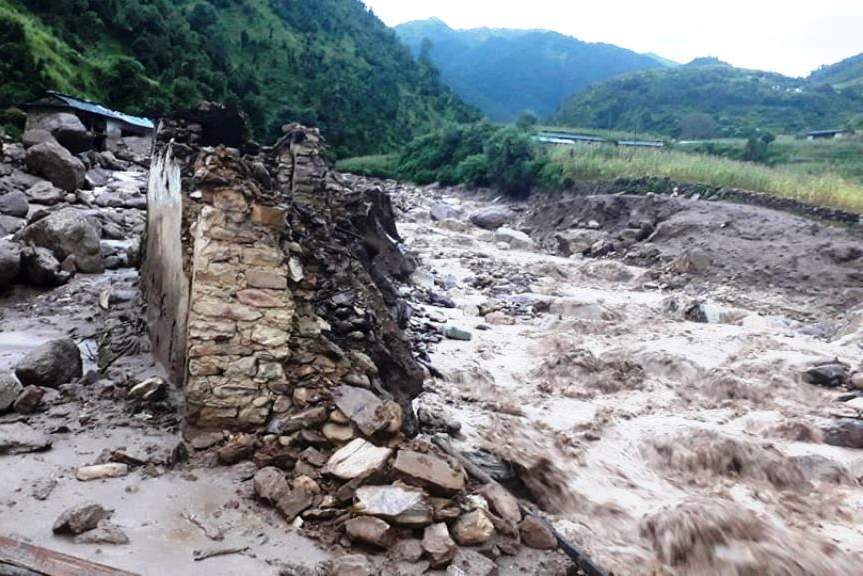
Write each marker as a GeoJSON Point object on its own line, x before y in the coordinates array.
{"type": "Point", "coordinates": [100, 110]}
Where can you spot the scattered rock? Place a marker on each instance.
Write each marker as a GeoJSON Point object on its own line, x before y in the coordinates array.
{"type": "Point", "coordinates": [44, 192]}
{"type": "Point", "coordinates": [43, 488]}
{"type": "Point", "coordinates": [501, 501]}
{"type": "Point", "coordinates": [10, 389]}
{"type": "Point", "coordinates": [409, 550]}
{"type": "Point", "coordinates": [356, 459]}
{"type": "Point", "coordinates": [239, 448]}
{"type": "Point", "coordinates": [10, 225]}
{"type": "Point", "coordinates": [429, 470]}
{"type": "Point", "coordinates": [67, 233]}
{"type": "Point", "coordinates": [80, 519]}
{"type": "Point", "coordinates": [831, 374]}
{"type": "Point", "coordinates": [491, 218]}
{"type": "Point", "coordinates": [101, 471]}
{"type": "Point", "coordinates": [362, 407]}
{"type": "Point", "coordinates": [51, 365]}
{"type": "Point", "coordinates": [104, 533]}
{"type": "Point", "coordinates": [29, 401]}
{"type": "Point", "coordinates": [39, 267]}
{"type": "Point", "coordinates": [370, 530]}
{"type": "Point", "coordinates": [10, 263]}
{"type": "Point", "coordinates": [442, 211]}
{"type": "Point", "coordinates": [536, 534]}
{"type": "Point", "coordinates": [149, 390]}
{"type": "Point", "coordinates": [388, 501]}
{"type": "Point", "coordinates": [57, 165]}
{"type": "Point", "coordinates": [471, 563]}
{"type": "Point", "coordinates": [353, 565]}
{"type": "Point", "coordinates": [270, 484]}
{"type": "Point", "coordinates": [473, 529]}
{"type": "Point", "coordinates": [14, 204]}
{"type": "Point", "coordinates": [21, 439]}
{"type": "Point", "coordinates": [439, 545]}
{"type": "Point", "coordinates": [454, 333]}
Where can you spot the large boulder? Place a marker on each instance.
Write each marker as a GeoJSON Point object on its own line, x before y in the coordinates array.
{"type": "Point", "coordinates": [492, 218]}
{"type": "Point", "coordinates": [68, 233]}
{"type": "Point", "coordinates": [56, 164]}
{"type": "Point", "coordinates": [10, 389]}
{"type": "Point", "coordinates": [10, 262]}
{"type": "Point", "coordinates": [68, 130]}
{"type": "Point", "coordinates": [51, 365]}
{"type": "Point", "coordinates": [35, 137]}
{"type": "Point", "coordinates": [14, 204]}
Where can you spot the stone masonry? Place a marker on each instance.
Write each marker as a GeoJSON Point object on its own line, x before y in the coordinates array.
{"type": "Point", "coordinates": [267, 280]}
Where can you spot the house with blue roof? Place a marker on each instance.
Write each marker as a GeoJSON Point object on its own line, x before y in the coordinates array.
{"type": "Point", "coordinates": [108, 127]}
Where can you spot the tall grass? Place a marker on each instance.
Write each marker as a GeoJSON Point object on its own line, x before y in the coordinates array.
{"type": "Point", "coordinates": [592, 162]}
{"type": "Point", "coordinates": [380, 166]}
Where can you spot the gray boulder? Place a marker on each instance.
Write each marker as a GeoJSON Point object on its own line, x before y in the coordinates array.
{"type": "Point", "coordinates": [51, 365]}
{"type": "Point", "coordinates": [9, 391]}
{"type": "Point", "coordinates": [36, 136]}
{"type": "Point", "coordinates": [10, 262]}
{"type": "Point", "coordinates": [68, 233]}
{"type": "Point", "coordinates": [492, 218]}
{"type": "Point", "coordinates": [14, 204]}
{"type": "Point", "coordinates": [39, 267]}
{"type": "Point", "coordinates": [68, 130]}
{"type": "Point", "coordinates": [10, 225]}
{"type": "Point", "coordinates": [45, 193]}
{"type": "Point", "coordinates": [55, 163]}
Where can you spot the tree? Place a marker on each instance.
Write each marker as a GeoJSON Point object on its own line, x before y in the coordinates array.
{"type": "Point", "coordinates": [202, 16]}
{"type": "Point", "coordinates": [697, 126]}
{"type": "Point", "coordinates": [510, 154]}
{"type": "Point", "coordinates": [527, 120]}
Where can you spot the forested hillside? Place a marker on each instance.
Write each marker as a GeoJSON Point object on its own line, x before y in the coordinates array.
{"type": "Point", "coordinates": [845, 74]}
{"type": "Point", "coordinates": [505, 72]}
{"type": "Point", "coordinates": [708, 98]}
{"type": "Point", "coordinates": [330, 63]}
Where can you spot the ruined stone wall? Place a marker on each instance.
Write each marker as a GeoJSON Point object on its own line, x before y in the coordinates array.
{"type": "Point", "coordinates": [283, 274]}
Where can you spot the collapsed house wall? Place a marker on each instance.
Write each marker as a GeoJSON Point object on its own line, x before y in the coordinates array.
{"type": "Point", "coordinates": [267, 282]}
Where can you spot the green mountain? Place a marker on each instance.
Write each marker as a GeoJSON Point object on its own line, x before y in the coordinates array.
{"type": "Point", "coordinates": [331, 63]}
{"type": "Point", "coordinates": [845, 74]}
{"type": "Point", "coordinates": [709, 98]}
{"type": "Point", "coordinates": [505, 72]}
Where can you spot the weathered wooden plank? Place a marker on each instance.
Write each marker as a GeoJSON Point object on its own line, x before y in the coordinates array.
{"type": "Point", "coordinates": [49, 563]}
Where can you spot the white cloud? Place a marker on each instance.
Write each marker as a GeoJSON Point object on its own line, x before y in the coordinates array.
{"type": "Point", "coordinates": [787, 36]}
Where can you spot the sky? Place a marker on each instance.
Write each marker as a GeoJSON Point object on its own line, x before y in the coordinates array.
{"type": "Point", "coordinates": [788, 36]}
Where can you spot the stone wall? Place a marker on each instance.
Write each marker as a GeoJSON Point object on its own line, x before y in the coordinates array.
{"type": "Point", "coordinates": [268, 281]}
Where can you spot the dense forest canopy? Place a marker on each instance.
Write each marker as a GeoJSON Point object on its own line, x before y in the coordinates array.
{"type": "Point", "coordinates": [330, 63]}
{"type": "Point", "coordinates": [708, 98]}
{"type": "Point", "coordinates": [505, 72]}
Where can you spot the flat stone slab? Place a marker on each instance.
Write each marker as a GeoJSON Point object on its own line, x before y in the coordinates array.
{"type": "Point", "coordinates": [357, 459]}
{"type": "Point", "coordinates": [387, 501]}
{"type": "Point", "coordinates": [430, 470]}
{"type": "Point", "coordinates": [362, 407]}
{"type": "Point", "coordinates": [22, 439]}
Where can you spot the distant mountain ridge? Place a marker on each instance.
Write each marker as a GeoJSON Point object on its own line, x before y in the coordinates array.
{"type": "Point", "coordinates": [505, 72]}
{"type": "Point", "coordinates": [709, 98]}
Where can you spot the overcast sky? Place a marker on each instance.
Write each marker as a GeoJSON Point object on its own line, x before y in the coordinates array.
{"type": "Point", "coordinates": [789, 36]}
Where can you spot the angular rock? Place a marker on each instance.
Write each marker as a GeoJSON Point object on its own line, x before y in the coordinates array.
{"type": "Point", "coordinates": [443, 211]}
{"type": "Point", "coordinates": [295, 502]}
{"type": "Point", "coordinates": [67, 233]}
{"type": "Point", "coordinates": [45, 193]}
{"type": "Point", "coordinates": [574, 242]}
{"type": "Point", "coordinates": [388, 501]}
{"type": "Point", "coordinates": [101, 471]}
{"type": "Point", "coordinates": [51, 365]}
{"type": "Point", "coordinates": [502, 502]}
{"type": "Point", "coordinates": [356, 459]}
{"type": "Point", "coordinates": [14, 204]}
{"type": "Point", "coordinates": [408, 550]}
{"type": "Point", "coordinates": [29, 401]}
{"type": "Point", "coordinates": [36, 136]}
{"type": "Point", "coordinates": [828, 374]}
{"type": "Point", "coordinates": [10, 389]}
{"type": "Point", "coordinates": [104, 533]}
{"type": "Point", "coordinates": [429, 470]}
{"type": "Point", "coordinates": [492, 218]}
{"type": "Point", "coordinates": [270, 484]}
{"type": "Point", "coordinates": [370, 530]}
{"type": "Point", "coordinates": [362, 407]}
{"type": "Point", "coordinates": [39, 267]}
{"type": "Point", "coordinates": [80, 519]}
{"type": "Point", "coordinates": [149, 390]}
{"type": "Point", "coordinates": [236, 450]}
{"type": "Point", "coordinates": [338, 433]}
{"type": "Point", "coordinates": [439, 545]}
{"type": "Point", "coordinates": [57, 165]}
{"type": "Point", "coordinates": [352, 565]}
{"type": "Point", "coordinates": [10, 263]}
{"type": "Point", "coordinates": [471, 563]}
{"type": "Point", "coordinates": [536, 534]}
{"type": "Point", "coordinates": [10, 225]}
{"type": "Point", "coordinates": [43, 488]}
{"type": "Point", "coordinates": [22, 439]}
{"type": "Point", "coordinates": [473, 529]}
